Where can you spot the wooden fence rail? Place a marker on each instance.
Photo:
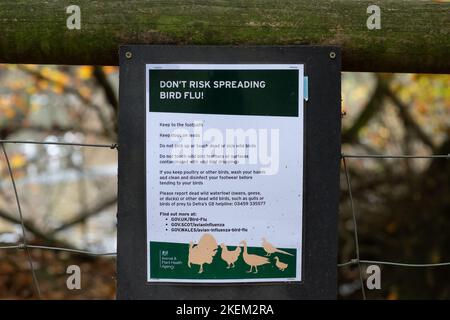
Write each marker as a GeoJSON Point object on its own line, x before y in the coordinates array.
{"type": "Point", "coordinates": [414, 35]}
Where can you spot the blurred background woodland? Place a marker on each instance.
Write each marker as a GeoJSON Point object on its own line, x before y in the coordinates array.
{"type": "Point", "coordinates": [68, 194]}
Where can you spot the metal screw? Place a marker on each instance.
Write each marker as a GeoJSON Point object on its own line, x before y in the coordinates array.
{"type": "Point", "coordinates": [128, 55]}
{"type": "Point", "coordinates": [332, 54]}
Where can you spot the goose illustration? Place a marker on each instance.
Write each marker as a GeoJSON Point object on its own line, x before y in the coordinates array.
{"type": "Point", "coordinates": [269, 248]}
{"type": "Point", "coordinates": [253, 260]}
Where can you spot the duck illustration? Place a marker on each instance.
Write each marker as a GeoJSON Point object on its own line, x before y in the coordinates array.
{"type": "Point", "coordinates": [230, 257]}
{"type": "Point", "coordinates": [269, 248]}
{"type": "Point", "coordinates": [253, 260]}
{"type": "Point", "coordinates": [280, 265]}
{"type": "Point", "coordinates": [203, 252]}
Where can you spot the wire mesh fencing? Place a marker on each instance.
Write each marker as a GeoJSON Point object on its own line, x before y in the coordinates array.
{"type": "Point", "coordinates": [23, 245]}
{"type": "Point", "coordinates": [356, 261]}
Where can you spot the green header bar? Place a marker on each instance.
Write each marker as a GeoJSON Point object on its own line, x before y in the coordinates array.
{"type": "Point", "coordinates": [236, 92]}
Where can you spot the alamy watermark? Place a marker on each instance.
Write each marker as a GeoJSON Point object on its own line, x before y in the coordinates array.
{"type": "Point", "coordinates": [73, 281]}
{"type": "Point", "coordinates": [374, 279]}
{"type": "Point", "coordinates": [213, 146]}
{"type": "Point", "coordinates": [374, 20]}
{"type": "Point", "coordinates": [73, 21]}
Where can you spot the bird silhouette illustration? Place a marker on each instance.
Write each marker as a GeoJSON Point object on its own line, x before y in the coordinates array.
{"type": "Point", "coordinates": [230, 256]}
{"type": "Point", "coordinates": [280, 265]}
{"type": "Point", "coordinates": [269, 248]}
{"type": "Point", "coordinates": [253, 260]}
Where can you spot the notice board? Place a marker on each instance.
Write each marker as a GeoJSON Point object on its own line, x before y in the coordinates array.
{"type": "Point", "coordinates": [228, 172]}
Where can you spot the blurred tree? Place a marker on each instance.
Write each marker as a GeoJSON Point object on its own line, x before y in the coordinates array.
{"type": "Point", "coordinates": [403, 205]}
{"type": "Point", "coordinates": [68, 194]}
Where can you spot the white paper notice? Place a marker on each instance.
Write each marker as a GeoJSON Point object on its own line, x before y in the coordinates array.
{"type": "Point", "coordinates": [224, 172]}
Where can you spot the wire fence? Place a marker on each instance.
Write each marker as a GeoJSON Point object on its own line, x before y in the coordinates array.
{"type": "Point", "coordinates": [357, 261]}
{"type": "Point", "coordinates": [23, 245]}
